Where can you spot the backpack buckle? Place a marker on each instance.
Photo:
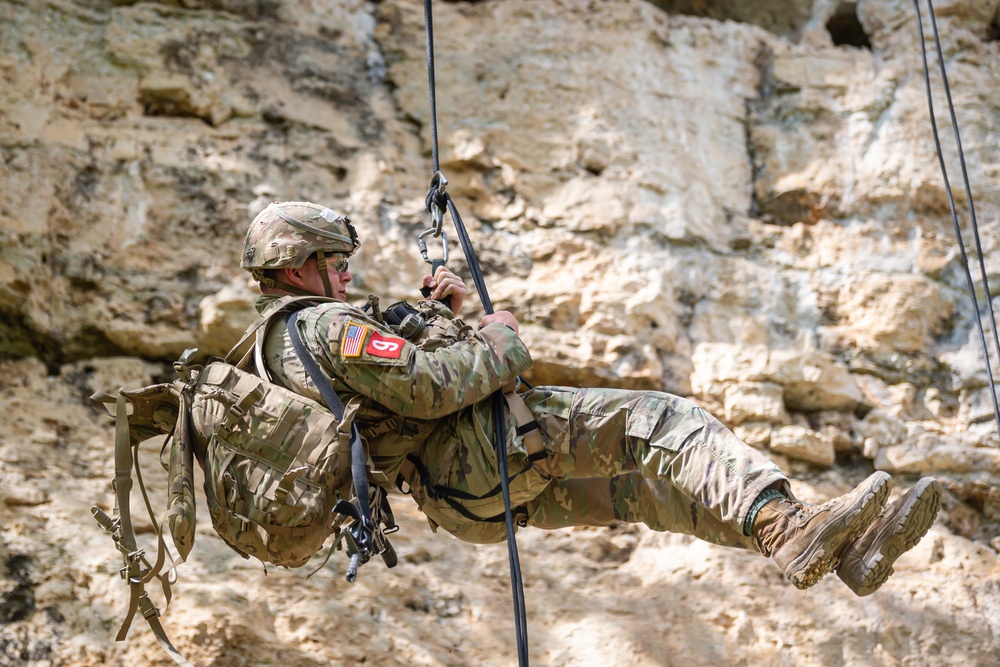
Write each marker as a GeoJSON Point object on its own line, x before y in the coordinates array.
{"type": "Point", "coordinates": [244, 522]}
{"type": "Point", "coordinates": [132, 570]}
{"type": "Point", "coordinates": [112, 525]}
{"type": "Point", "coordinates": [185, 370]}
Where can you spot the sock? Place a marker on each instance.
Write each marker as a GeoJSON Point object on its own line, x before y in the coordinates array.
{"type": "Point", "coordinates": [766, 496]}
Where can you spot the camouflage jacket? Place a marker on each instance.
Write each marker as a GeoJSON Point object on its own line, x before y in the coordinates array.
{"type": "Point", "coordinates": [428, 399]}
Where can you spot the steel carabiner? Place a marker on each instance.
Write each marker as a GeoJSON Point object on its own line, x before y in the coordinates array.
{"type": "Point", "coordinates": [423, 246]}
{"type": "Point", "coordinates": [435, 204]}
{"type": "Point", "coordinates": [438, 182]}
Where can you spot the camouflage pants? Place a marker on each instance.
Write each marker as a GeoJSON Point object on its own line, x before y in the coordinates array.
{"type": "Point", "coordinates": [644, 457]}
{"type": "Point", "coordinates": [615, 455]}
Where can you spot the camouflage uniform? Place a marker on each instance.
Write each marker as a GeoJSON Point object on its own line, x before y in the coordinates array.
{"type": "Point", "coordinates": [610, 455]}
{"type": "Point", "coordinates": [598, 456]}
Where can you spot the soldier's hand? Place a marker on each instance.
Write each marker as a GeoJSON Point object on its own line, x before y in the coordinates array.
{"type": "Point", "coordinates": [444, 283]}
{"type": "Point", "coordinates": [501, 316]}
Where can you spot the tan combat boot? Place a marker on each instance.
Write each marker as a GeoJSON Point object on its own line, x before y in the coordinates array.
{"type": "Point", "coordinates": [806, 540]}
{"type": "Point", "coordinates": [867, 562]}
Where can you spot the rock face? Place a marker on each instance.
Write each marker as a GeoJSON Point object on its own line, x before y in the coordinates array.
{"type": "Point", "coordinates": [737, 202]}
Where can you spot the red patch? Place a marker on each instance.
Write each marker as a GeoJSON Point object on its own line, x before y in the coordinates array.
{"type": "Point", "coordinates": [384, 346]}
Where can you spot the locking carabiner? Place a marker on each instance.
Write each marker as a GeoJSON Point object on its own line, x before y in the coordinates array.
{"type": "Point", "coordinates": [435, 201]}
{"type": "Point", "coordinates": [423, 247]}
{"type": "Point", "coordinates": [435, 204]}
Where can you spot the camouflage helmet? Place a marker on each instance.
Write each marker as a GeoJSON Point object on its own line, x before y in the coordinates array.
{"type": "Point", "coordinates": [287, 234]}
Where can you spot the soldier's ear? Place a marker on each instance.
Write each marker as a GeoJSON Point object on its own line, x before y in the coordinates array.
{"type": "Point", "coordinates": [293, 276]}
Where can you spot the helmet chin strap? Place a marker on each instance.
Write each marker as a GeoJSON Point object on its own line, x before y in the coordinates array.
{"type": "Point", "coordinates": [324, 276]}
{"type": "Point", "coordinates": [273, 283]}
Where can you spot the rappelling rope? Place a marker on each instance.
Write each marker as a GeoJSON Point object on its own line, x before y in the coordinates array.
{"type": "Point", "coordinates": [437, 197]}
{"type": "Point", "coordinates": [951, 199]}
{"type": "Point", "coordinates": [437, 201]}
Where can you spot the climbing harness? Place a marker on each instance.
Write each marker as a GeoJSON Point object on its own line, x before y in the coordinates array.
{"type": "Point", "coordinates": [438, 200]}
{"type": "Point", "coordinates": [527, 428]}
{"type": "Point", "coordinates": [951, 200]}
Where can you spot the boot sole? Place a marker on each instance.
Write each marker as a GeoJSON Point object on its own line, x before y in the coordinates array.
{"type": "Point", "coordinates": [814, 564]}
{"type": "Point", "coordinates": [914, 519]}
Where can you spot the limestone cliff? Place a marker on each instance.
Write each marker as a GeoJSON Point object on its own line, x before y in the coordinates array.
{"type": "Point", "coordinates": [738, 202]}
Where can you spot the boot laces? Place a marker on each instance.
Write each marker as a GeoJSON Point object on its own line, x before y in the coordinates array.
{"type": "Point", "coordinates": [799, 507]}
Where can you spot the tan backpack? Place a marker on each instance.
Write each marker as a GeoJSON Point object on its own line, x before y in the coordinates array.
{"type": "Point", "coordinates": [282, 472]}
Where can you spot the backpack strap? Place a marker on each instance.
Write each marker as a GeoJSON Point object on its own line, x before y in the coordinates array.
{"type": "Point", "coordinates": [136, 571]}
{"type": "Point", "coordinates": [362, 530]}
{"type": "Point", "coordinates": [272, 310]}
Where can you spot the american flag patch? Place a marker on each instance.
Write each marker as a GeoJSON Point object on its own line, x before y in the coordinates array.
{"type": "Point", "coordinates": [354, 339]}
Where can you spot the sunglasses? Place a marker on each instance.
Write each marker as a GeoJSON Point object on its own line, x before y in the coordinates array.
{"type": "Point", "coordinates": [340, 266]}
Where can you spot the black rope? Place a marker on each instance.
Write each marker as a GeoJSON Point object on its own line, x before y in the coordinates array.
{"type": "Point", "coordinates": [429, 41]}
{"type": "Point", "coordinates": [951, 200]}
{"type": "Point", "coordinates": [443, 200]}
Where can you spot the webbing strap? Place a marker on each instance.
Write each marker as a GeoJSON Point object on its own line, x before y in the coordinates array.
{"type": "Point", "coordinates": [274, 282]}
{"type": "Point", "coordinates": [527, 428]}
{"type": "Point", "coordinates": [151, 615]}
{"type": "Point", "coordinates": [123, 475]}
{"type": "Point", "coordinates": [260, 519]}
{"type": "Point", "coordinates": [448, 494]}
{"type": "Point", "coordinates": [364, 532]}
{"type": "Point", "coordinates": [248, 391]}
{"type": "Point", "coordinates": [124, 538]}
{"type": "Point", "coordinates": [324, 276]}
{"type": "Point", "coordinates": [270, 312]}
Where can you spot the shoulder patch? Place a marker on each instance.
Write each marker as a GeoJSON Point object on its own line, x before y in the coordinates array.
{"type": "Point", "coordinates": [353, 339]}
{"type": "Point", "coordinates": [386, 347]}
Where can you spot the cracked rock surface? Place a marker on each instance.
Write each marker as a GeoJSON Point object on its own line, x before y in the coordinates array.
{"type": "Point", "coordinates": [736, 202]}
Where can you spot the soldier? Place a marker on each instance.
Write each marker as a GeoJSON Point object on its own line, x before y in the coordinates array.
{"type": "Point", "coordinates": [418, 395]}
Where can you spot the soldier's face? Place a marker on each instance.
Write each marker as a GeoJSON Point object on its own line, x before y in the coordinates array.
{"type": "Point", "coordinates": [308, 277]}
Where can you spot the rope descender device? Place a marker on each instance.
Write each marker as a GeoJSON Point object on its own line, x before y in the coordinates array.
{"type": "Point", "coordinates": [436, 204]}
